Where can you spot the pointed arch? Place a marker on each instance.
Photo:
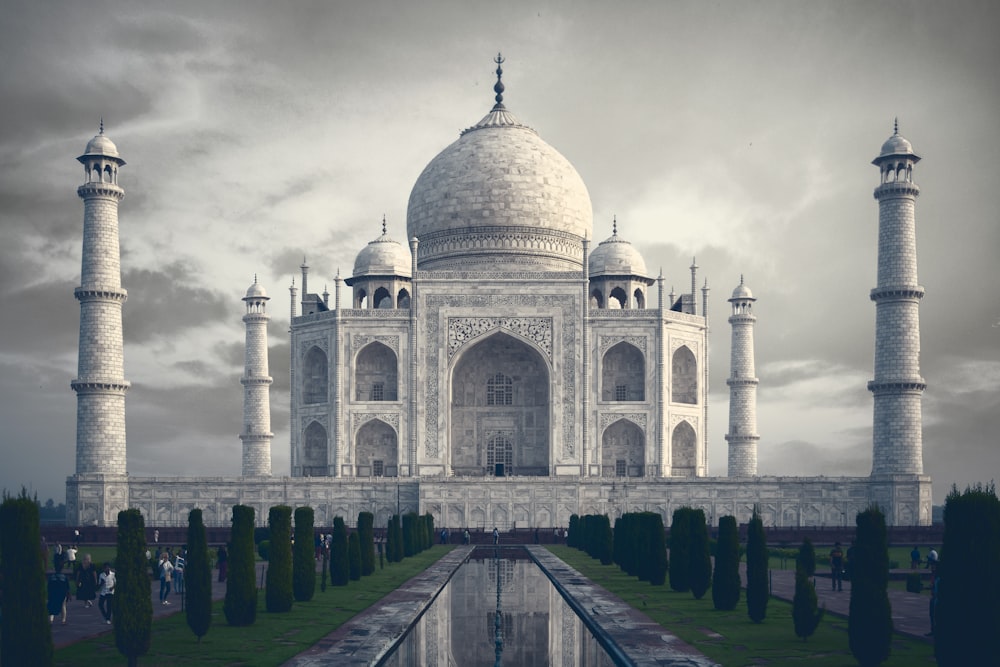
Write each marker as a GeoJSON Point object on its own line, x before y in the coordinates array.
{"type": "Point", "coordinates": [315, 448]}
{"type": "Point", "coordinates": [314, 376]}
{"type": "Point", "coordinates": [623, 374]}
{"type": "Point", "coordinates": [623, 450]}
{"type": "Point", "coordinates": [683, 450]}
{"type": "Point", "coordinates": [640, 298]}
{"type": "Point", "coordinates": [376, 450]}
{"type": "Point", "coordinates": [403, 298]}
{"type": "Point", "coordinates": [684, 376]}
{"type": "Point", "coordinates": [382, 299]}
{"type": "Point", "coordinates": [597, 299]}
{"type": "Point", "coordinates": [376, 374]}
{"type": "Point", "coordinates": [618, 299]}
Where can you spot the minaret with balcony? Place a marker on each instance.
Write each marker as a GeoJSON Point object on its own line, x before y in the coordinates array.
{"type": "Point", "coordinates": [742, 436]}
{"type": "Point", "coordinates": [256, 383]}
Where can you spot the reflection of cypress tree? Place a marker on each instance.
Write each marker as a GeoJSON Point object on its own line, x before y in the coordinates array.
{"type": "Point", "coordinates": [700, 569]}
{"type": "Point", "coordinates": [968, 616]}
{"type": "Point", "coordinates": [726, 578]}
{"type": "Point", "coordinates": [340, 568]}
{"type": "Point", "coordinates": [278, 595]}
{"type": "Point", "coordinates": [757, 590]}
{"type": "Point", "coordinates": [240, 606]}
{"type": "Point", "coordinates": [366, 533]}
{"type": "Point", "coordinates": [304, 556]}
{"type": "Point", "coordinates": [197, 578]}
{"type": "Point", "coordinates": [27, 635]}
{"type": "Point", "coordinates": [805, 615]}
{"type": "Point", "coordinates": [680, 550]}
{"type": "Point", "coordinates": [869, 626]}
{"type": "Point", "coordinates": [132, 607]}
{"type": "Point", "coordinates": [354, 556]}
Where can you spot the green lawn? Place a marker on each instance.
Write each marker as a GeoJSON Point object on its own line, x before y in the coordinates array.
{"type": "Point", "coordinates": [272, 640]}
{"type": "Point", "coordinates": [730, 638]}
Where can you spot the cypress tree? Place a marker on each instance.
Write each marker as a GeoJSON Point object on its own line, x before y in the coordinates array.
{"type": "Point", "coordinates": [605, 540]}
{"type": "Point", "coordinates": [805, 615]}
{"type": "Point", "coordinates": [617, 544]}
{"type": "Point", "coordinates": [397, 549]}
{"type": "Point", "coordinates": [340, 568]}
{"type": "Point", "coordinates": [757, 589]}
{"type": "Point", "coordinates": [409, 536]}
{"type": "Point", "coordinates": [304, 556]}
{"type": "Point", "coordinates": [24, 625]}
{"type": "Point", "coordinates": [354, 556]}
{"type": "Point", "coordinates": [967, 616]}
{"type": "Point", "coordinates": [240, 606]}
{"type": "Point", "coordinates": [197, 578]}
{"type": "Point", "coordinates": [680, 550]}
{"type": "Point", "coordinates": [700, 565]}
{"type": "Point", "coordinates": [869, 626]}
{"type": "Point", "coordinates": [132, 606]}
{"type": "Point", "coordinates": [366, 533]}
{"type": "Point", "coordinates": [325, 568]}
{"type": "Point", "coordinates": [655, 553]}
{"type": "Point", "coordinates": [278, 595]}
{"type": "Point", "coordinates": [726, 578]}
{"type": "Point", "coordinates": [573, 539]}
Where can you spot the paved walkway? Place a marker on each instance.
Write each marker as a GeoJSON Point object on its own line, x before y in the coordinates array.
{"type": "Point", "coordinates": [83, 622]}
{"type": "Point", "coordinates": [910, 614]}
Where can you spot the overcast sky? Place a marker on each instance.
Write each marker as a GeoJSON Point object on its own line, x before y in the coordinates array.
{"type": "Point", "coordinates": [738, 132]}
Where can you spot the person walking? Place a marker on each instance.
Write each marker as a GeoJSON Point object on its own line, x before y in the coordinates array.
{"type": "Point", "coordinates": [179, 563]}
{"type": "Point", "coordinates": [166, 576]}
{"type": "Point", "coordinates": [915, 558]}
{"type": "Point", "coordinates": [837, 567]}
{"type": "Point", "coordinates": [86, 582]}
{"type": "Point", "coordinates": [58, 594]}
{"type": "Point", "coordinates": [466, 536]}
{"type": "Point", "coordinates": [106, 589]}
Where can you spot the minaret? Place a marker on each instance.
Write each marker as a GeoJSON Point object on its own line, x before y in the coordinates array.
{"type": "Point", "coordinates": [897, 387]}
{"type": "Point", "coordinates": [742, 436]}
{"type": "Point", "coordinates": [100, 383]}
{"type": "Point", "coordinates": [256, 383]}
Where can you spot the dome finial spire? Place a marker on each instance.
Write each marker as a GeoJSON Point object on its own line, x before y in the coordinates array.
{"type": "Point", "coordinates": [102, 125]}
{"type": "Point", "coordinates": [895, 126]}
{"type": "Point", "coordinates": [383, 224]}
{"type": "Point", "coordinates": [498, 86]}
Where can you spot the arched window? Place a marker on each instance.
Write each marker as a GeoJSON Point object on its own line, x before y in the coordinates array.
{"type": "Point", "coordinates": [314, 451]}
{"type": "Point", "coordinates": [499, 390]}
{"type": "Point", "coordinates": [314, 376]}
{"type": "Point", "coordinates": [597, 299]}
{"type": "Point", "coordinates": [360, 298]}
{"type": "Point", "coordinates": [403, 299]}
{"type": "Point", "coordinates": [618, 299]}
{"type": "Point", "coordinates": [382, 298]}
{"type": "Point", "coordinates": [640, 299]}
{"type": "Point", "coordinates": [684, 375]}
{"type": "Point", "coordinates": [623, 374]}
{"type": "Point", "coordinates": [375, 373]}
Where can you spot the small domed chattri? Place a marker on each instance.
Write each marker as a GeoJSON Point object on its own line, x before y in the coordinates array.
{"type": "Point", "coordinates": [896, 144]}
{"type": "Point", "coordinates": [742, 291]}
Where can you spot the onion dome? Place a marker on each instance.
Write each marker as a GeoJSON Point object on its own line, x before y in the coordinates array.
{"type": "Point", "coordinates": [383, 257]}
{"type": "Point", "coordinates": [101, 145]}
{"type": "Point", "coordinates": [616, 257]}
{"type": "Point", "coordinates": [896, 145]}
{"type": "Point", "coordinates": [742, 291]}
{"type": "Point", "coordinates": [256, 291]}
{"type": "Point", "coordinates": [500, 198]}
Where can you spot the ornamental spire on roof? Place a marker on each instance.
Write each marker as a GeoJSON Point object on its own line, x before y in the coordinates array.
{"type": "Point", "coordinates": [498, 115]}
{"type": "Point", "coordinates": [498, 86]}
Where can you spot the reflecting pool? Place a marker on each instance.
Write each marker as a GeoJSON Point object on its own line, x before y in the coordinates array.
{"type": "Point", "coordinates": [499, 608]}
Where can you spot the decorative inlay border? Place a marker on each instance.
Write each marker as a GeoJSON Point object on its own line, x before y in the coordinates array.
{"type": "Point", "coordinates": [358, 341]}
{"type": "Point", "coordinates": [676, 343]}
{"type": "Point", "coordinates": [690, 419]}
{"type": "Point", "coordinates": [462, 330]}
{"type": "Point", "coordinates": [609, 418]}
{"type": "Point", "coordinates": [323, 419]}
{"type": "Point", "coordinates": [359, 419]}
{"type": "Point", "coordinates": [608, 342]}
{"type": "Point", "coordinates": [321, 342]}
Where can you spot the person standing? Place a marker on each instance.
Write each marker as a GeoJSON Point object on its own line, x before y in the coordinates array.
{"type": "Point", "coordinates": [837, 567]}
{"type": "Point", "coordinates": [179, 564]}
{"type": "Point", "coordinates": [915, 558]}
{"type": "Point", "coordinates": [76, 538]}
{"type": "Point", "coordinates": [166, 570]}
{"type": "Point", "coordinates": [496, 535]}
{"type": "Point", "coordinates": [106, 589]}
{"type": "Point", "coordinates": [58, 594]}
{"type": "Point", "coordinates": [71, 559]}
{"type": "Point", "coordinates": [222, 560]}
{"type": "Point", "coordinates": [86, 582]}
{"type": "Point", "coordinates": [156, 536]}
{"type": "Point", "coordinates": [932, 559]}
{"type": "Point", "coordinates": [467, 537]}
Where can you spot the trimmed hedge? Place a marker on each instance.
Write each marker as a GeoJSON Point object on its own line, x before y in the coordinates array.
{"type": "Point", "coordinates": [680, 550]}
{"type": "Point", "coordinates": [869, 626]}
{"type": "Point", "coordinates": [366, 533]}
{"type": "Point", "coordinates": [726, 578]}
{"type": "Point", "coordinates": [805, 615]}
{"type": "Point", "coordinates": [240, 606]}
{"type": "Point", "coordinates": [340, 567]}
{"type": "Point", "coordinates": [197, 577]}
{"type": "Point", "coordinates": [26, 635]}
{"type": "Point", "coordinates": [700, 564]}
{"type": "Point", "coordinates": [304, 556]}
{"type": "Point", "coordinates": [278, 595]}
{"type": "Point", "coordinates": [132, 605]}
{"type": "Point", "coordinates": [757, 588]}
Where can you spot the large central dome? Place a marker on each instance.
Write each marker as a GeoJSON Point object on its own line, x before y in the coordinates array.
{"type": "Point", "coordinates": [500, 199]}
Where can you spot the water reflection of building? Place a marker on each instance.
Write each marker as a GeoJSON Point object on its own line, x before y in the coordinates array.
{"type": "Point", "coordinates": [496, 370]}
